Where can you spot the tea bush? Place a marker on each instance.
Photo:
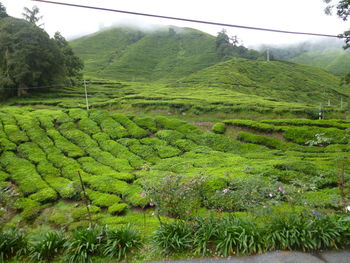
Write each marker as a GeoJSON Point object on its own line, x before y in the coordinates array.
{"type": "Point", "coordinates": [133, 130]}
{"type": "Point", "coordinates": [102, 199]}
{"type": "Point", "coordinates": [219, 128]}
{"type": "Point", "coordinates": [117, 209]}
{"type": "Point", "coordinates": [252, 125]}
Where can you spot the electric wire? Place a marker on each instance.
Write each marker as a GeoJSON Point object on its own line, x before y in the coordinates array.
{"type": "Point", "coordinates": [190, 20]}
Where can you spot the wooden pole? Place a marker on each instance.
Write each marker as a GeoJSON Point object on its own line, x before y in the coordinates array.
{"type": "Point", "coordinates": [85, 198]}
{"type": "Point", "coordinates": [86, 97]}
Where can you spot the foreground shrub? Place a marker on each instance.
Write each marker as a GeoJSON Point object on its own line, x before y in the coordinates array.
{"type": "Point", "coordinates": [47, 248]}
{"type": "Point", "coordinates": [174, 237]}
{"type": "Point", "coordinates": [238, 236]}
{"type": "Point", "coordinates": [304, 232]}
{"type": "Point", "coordinates": [174, 195]}
{"type": "Point", "coordinates": [12, 243]}
{"type": "Point", "coordinates": [121, 242]}
{"type": "Point", "coordinates": [86, 242]}
{"type": "Point", "coordinates": [234, 235]}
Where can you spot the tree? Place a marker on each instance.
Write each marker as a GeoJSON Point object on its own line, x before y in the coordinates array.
{"type": "Point", "coordinates": [343, 11]}
{"type": "Point", "coordinates": [3, 13]}
{"type": "Point", "coordinates": [32, 15]}
{"type": "Point", "coordinates": [227, 47]}
{"type": "Point", "coordinates": [72, 64]}
{"type": "Point", "coordinates": [28, 57]}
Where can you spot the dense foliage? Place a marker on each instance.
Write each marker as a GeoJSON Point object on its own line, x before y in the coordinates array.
{"type": "Point", "coordinates": [30, 59]}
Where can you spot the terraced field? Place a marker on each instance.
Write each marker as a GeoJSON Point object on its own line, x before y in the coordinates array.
{"type": "Point", "coordinates": [276, 164]}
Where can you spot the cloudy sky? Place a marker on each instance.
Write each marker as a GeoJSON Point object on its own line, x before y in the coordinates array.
{"type": "Point", "coordinates": [292, 15]}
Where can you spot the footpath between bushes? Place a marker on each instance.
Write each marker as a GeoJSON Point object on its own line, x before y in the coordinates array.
{"type": "Point", "coordinates": [339, 256]}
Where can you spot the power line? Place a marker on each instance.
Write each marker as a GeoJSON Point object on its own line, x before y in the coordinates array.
{"type": "Point", "coordinates": [190, 20]}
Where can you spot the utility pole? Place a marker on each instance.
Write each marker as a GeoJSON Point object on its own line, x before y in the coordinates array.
{"type": "Point", "coordinates": [86, 97]}
{"type": "Point", "coordinates": [268, 54]}
{"type": "Point", "coordinates": [320, 112]}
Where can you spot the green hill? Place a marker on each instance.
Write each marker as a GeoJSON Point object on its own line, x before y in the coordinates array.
{"type": "Point", "coordinates": [333, 60]}
{"type": "Point", "coordinates": [132, 55]}
{"type": "Point", "coordinates": [277, 80]}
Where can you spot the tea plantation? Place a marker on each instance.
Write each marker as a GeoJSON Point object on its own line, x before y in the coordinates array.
{"type": "Point", "coordinates": [250, 168]}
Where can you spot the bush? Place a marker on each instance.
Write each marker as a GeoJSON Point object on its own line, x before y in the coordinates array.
{"type": "Point", "coordinates": [253, 125]}
{"type": "Point", "coordinates": [77, 114]}
{"type": "Point", "coordinates": [47, 248]}
{"type": "Point", "coordinates": [15, 135]}
{"type": "Point", "coordinates": [84, 244]}
{"type": "Point", "coordinates": [304, 134]}
{"type": "Point", "coordinates": [107, 184]}
{"type": "Point", "coordinates": [304, 232]}
{"type": "Point", "coordinates": [117, 209]}
{"type": "Point", "coordinates": [219, 128]}
{"type": "Point", "coordinates": [46, 195]}
{"type": "Point", "coordinates": [325, 198]}
{"type": "Point", "coordinates": [174, 195]}
{"type": "Point", "coordinates": [174, 237]}
{"type": "Point", "coordinates": [88, 126]}
{"type": "Point", "coordinates": [81, 213]}
{"type": "Point", "coordinates": [121, 242]}
{"type": "Point", "coordinates": [169, 136]}
{"type": "Point", "coordinates": [146, 123]}
{"type": "Point", "coordinates": [30, 208]}
{"type": "Point", "coordinates": [68, 148]}
{"type": "Point", "coordinates": [168, 123]}
{"type": "Point", "coordinates": [262, 140]}
{"type": "Point", "coordinates": [134, 130]}
{"type": "Point", "coordinates": [218, 142]}
{"type": "Point", "coordinates": [102, 199]}
{"type": "Point", "coordinates": [23, 173]}
{"type": "Point", "coordinates": [12, 243]}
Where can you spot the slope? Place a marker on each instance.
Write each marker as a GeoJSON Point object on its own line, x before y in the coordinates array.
{"type": "Point", "coordinates": [333, 60]}
{"type": "Point", "coordinates": [277, 80]}
{"type": "Point", "coordinates": [131, 55]}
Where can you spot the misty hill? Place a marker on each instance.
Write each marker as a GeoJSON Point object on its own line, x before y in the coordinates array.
{"type": "Point", "coordinates": [333, 60]}
{"type": "Point", "coordinates": [130, 54]}
{"type": "Point", "coordinates": [278, 80]}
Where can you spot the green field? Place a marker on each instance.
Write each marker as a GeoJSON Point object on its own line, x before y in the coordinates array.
{"type": "Point", "coordinates": [202, 157]}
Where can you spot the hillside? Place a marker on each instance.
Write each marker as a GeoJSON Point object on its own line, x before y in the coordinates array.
{"type": "Point", "coordinates": [333, 60]}
{"type": "Point", "coordinates": [277, 80]}
{"type": "Point", "coordinates": [132, 55]}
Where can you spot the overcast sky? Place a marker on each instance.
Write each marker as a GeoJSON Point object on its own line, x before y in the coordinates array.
{"type": "Point", "coordinates": [293, 15]}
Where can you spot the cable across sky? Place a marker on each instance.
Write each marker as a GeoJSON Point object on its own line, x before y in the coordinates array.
{"type": "Point", "coordinates": [190, 20]}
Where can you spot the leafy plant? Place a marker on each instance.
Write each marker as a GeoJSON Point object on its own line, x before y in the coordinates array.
{"type": "Point", "coordinates": [85, 243]}
{"type": "Point", "coordinates": [47, 248]}
{"type": "Point", "coordinates": [174, 195]}
{"type": "Point", "coordinates": [121, 242]}
{"type": "Point", "coordinates": [12, 243]}
{"type": "Point", "coordinates": [174, 237]}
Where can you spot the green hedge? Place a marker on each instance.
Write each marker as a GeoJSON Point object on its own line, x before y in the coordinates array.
{"type": "Point", "coordinates": [117, 209]}
{"type": "Point", "coordinates": [262, 140]}
{"type": "Point", "coordinates": [146, 123]}
{"type": "Point", "coordinates": [303, 134]}
{"type": "Point", "coordinates": [29, 208]}
{"type": "Point", "coordinates": [307, 122]}
{"type": "Point", "coordinates": [88, 126]}
{"type": "Point", "coordinates": [32, 152]}
{"type": "Point", "coordinates": [23, 173]}
{"type": "Point", "coordinates": [134, 130]}
{"type": "Point", "coordinates": [252, 125]}
{"type": "Point", "coordinates": [219, 128]}
{"type": "Point", "coordinates": [14, 134]}
{"type": "Point", "coordinates": [68, 148]}
{"type": "Point", "coordinates": [102, 199]}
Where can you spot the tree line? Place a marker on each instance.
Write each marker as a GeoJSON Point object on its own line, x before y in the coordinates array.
{"type": "Point", "coordinates": [29, 58]}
